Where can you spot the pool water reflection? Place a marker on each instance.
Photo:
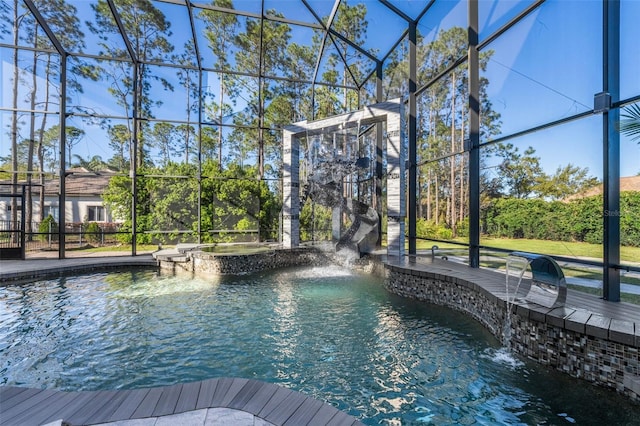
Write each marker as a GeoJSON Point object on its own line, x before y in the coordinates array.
{"type": "Point", "coordinates": [327, 332]}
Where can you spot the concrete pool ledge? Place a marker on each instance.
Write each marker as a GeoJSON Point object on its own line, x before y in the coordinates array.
{"type": "Point", "coordinates": [588, 338]}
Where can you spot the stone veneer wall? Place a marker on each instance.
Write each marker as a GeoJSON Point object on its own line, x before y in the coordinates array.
{"type": "Point", "coordinates": [200, 262]}
{"type": "Point", "coordinates": [205, 263]}
{"type": "Point", "coordinates": [599, 355]}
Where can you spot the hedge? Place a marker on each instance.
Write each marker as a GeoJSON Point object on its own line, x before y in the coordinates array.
{"type": "Point", "coordinates": [576, 220]}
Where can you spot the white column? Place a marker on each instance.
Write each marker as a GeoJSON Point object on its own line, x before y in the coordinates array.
{"type": "Point", "coordinates": [290, 191]}
{"type": "Point", "coordinates": [396, 184]}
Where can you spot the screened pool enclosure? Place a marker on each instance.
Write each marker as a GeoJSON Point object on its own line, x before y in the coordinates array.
{"type": "Point", "coordinates": [128, 124]}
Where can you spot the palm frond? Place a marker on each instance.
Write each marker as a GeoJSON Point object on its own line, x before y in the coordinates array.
{"type": "Point", "coordinates": [630, 122]}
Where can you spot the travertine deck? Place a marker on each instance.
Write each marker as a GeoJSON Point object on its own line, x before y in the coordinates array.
{"type": "Point", "coordinates": [212, 402]}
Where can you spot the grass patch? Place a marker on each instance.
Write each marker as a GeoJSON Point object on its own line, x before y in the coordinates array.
{"type": "Point", "coordinates": [115, 249]}
{"type": "Point", "coordinates": [557, 248]}
{"type": "Point", "coordinates": [624, 297]}
{"type": "Point", "coordinates": [426, 245]}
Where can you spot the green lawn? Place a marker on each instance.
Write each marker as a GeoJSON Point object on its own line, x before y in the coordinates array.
{"type": "Point", "coordinates": [624, 297]}
{"type": "Point", "coordinates": [558, 248]}
{"type": "Point", "coordinates": [124, 248]}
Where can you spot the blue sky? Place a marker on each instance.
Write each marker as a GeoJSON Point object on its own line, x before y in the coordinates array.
{"type": "Point", "coordinates": [548, 68]}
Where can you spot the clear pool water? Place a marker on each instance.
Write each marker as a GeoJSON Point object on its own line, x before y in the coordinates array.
{"type": "Point", "coordinates": [324, 331]}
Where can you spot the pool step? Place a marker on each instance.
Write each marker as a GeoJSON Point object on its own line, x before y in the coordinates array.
{"type": "Point", "coordinates": [171, 255]}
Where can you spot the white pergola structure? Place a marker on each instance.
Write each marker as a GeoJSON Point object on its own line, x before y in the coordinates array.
{"type": "Point", "coordinates": [390, 112]}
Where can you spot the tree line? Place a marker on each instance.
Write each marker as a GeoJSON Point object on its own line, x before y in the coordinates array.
{"type": "Point", "coordinates": [245, 51]}
{"type": "Point", "coordinates": [220, 206]}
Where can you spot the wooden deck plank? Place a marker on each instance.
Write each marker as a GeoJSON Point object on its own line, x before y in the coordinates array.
{"type": "Point", "coordinates": [26, 404]}
{"type": "Point", "coordinates": [221, 391]}
{"type": "Point", "coordinates": [306, 411]}
{"type": "Point", "coordinates": [95, 404]}
{"type": "Point", "coordinates": [342, 419]}
{"type": "Point", "coordinates": [148, 404]}
{"type": "Point", "coordinates": [80, 414]}
{"type": "Point", "coordinates": [168, 400]}
{"type": "Point", "coordinates": [110, 407]}
{"type": "Point", "coordinates": [323, 416]}
{"type": "Point", "coordinates": [281, 405]}
{"type": "Point", "coordinates": [18, 398]}
{"type": "Point", "coordinates": [247, 393]}
{"type": "Point", "coordinates": [75, 401]}
{"type": "Point", "coordinates": [278, 396]}
{"type": "Point", "coordinates": [188, 397]}
{"type": "Point", "coordinates": [260, 398]}
{"type": "Point", "coordinates": [286, 408]}
{"type": "Point", "coordinates": [8, 392]}
{"type": "Point", "coordinates": [130, 403]}
{"type": "Point", "coordinates": [45, 410]}
{"type": "Point", "coordinates": [207, 390]}
{"type": "Point", "coordinates": [234, 389]}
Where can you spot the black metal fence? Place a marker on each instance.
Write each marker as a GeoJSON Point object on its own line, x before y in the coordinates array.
{"type": "Point", "coordinates": [45, 236]}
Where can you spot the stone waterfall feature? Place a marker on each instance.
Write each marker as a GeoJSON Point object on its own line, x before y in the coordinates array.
{"type": "Point", "coordinates": [325, 188]}
{"type": "Point", "coordinates": [360, 235]}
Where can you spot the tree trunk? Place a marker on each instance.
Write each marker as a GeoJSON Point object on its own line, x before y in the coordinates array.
{"type": "Point", "coordinates": [260, 130]}
{"type": "Point", "coordinates": [40, 149]}
{"type": "Point", "coordinates": [419, 196]}
{"type": "Point", "coordinates": [138, 102]}
{"type": "Point", "coordinates": [28, 217]}
{"type": "Point", "coordinates": [452, 177]}
{"type": "Point", "coordinates": [14, 122]}
{"type": "Point", "coordinates": [462, 174]}
{"type": "Point", "coordinates": [429, 185]}
{"type": "Point", "coordinates": [345, 93]}
{"type": "Point", "coordinates": [220, 123]}
{"type": "Point", "coordinates": [186, 128]}
{"type": "Point", "coordinates": [437, 189]}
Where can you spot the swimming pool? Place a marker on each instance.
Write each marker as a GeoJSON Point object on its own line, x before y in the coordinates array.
{"type": "Point", "coordinates": [325, 331]}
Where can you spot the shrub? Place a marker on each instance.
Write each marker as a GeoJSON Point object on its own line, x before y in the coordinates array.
{"type": "Point", "coordinates": [577, 220]}
{"type": "Point", "coordinates": [48, 225]}
{"type": "Point", "coordinates": [630, 219]}
{"type": "Point", "coordinates": [93, 232]}
{"type": "Point", "coordinates": [428, 229]}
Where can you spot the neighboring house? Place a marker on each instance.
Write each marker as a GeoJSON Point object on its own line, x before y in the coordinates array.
{"type": "Point", "coordinates": [83, 190]}
{"type": "Point", "coordinates": [627, 183]}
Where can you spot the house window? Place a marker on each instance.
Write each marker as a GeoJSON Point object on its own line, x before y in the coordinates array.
{"type": "Point", "coordinates": [51, 210]}
{"type": "Point", "coordinates": [96, 214]}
